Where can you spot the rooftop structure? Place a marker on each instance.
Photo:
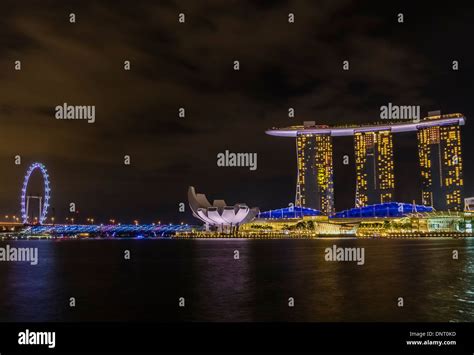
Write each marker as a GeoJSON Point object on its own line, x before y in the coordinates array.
{"type": "Point", "coordinates": [390, 209]}
{"type": "Point", "coordinates": [288, 212]}
{"type": "Point", "coordinates": [350, 130]}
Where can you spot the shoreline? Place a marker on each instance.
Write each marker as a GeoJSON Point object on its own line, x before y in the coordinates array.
{"type": "Point", "coordinates": [224, 238]}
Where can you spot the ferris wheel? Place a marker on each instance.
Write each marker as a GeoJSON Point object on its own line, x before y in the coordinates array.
{"type": "Point", "coordinates": [43, 200]}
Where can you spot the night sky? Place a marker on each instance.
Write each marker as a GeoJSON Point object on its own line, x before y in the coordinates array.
{"type": "Point", "coordinates": [190, 65]}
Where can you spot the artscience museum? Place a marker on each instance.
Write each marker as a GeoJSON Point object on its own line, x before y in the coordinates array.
{"type": "Point", "coordinates": [218, 215]}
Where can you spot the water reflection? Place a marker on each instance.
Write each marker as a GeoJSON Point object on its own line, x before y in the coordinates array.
{"type": "Point", "coordinates": [256, 287]}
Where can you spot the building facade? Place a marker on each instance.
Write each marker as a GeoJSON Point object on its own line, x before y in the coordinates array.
{"type": "Point", "coordinates": [314, 186]}
{"type": "Point", "coordinates": [439, 150]}
{"type": "Point", "coordinates": [375, 179]}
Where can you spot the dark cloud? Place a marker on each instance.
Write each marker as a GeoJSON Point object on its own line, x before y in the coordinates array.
{"type": "Point", "coordinates": [190, 65]}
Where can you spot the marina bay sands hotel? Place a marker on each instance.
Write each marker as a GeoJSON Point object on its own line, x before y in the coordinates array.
{"type": "Point", "coordinates": [439, 152]}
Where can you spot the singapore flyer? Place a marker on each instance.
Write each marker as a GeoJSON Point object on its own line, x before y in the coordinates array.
{"type": "Point", "coordinates": [43, 200]}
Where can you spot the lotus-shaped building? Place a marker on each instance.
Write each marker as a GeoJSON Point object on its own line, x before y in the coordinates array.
{"type": "Point", "coordinates": [219, 215]}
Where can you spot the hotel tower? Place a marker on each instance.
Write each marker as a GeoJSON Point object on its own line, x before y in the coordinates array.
{"type": "Point", "coordinates": [439, 151]}
{"type": "Point", "coordinates": [314, 186]}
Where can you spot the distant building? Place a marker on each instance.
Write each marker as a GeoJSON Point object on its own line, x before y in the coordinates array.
{"type": "Point", "coordinates": [439, 150]}
{"type": "Point", "coordinates": [441, 165]}
{"type": "Point", "coordinates": [314, 187]}
{"type": "Point", "coordinates": [218, 215]}
{"type": "Point", "coordinates": [289, 212]}
{"type": "Point", "coordinates": [388, 209]}
{"type": "Point", "coordinates": [375, 179]}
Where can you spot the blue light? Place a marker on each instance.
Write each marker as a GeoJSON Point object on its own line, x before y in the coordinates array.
{"type": "Point", "coordinates": [115, 230]}
{"type": "Point", "coordinates": [388, 209]}
{"type": "Point", "coordinates": [289, 212]}
{"type": "Point", "coordinates": [47, 196]}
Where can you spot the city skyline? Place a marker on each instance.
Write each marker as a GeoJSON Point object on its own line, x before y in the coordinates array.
{"type": "Point", "coordinates": [439, 150]}
{"type": "Point", "coordinates": [374, 165]}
